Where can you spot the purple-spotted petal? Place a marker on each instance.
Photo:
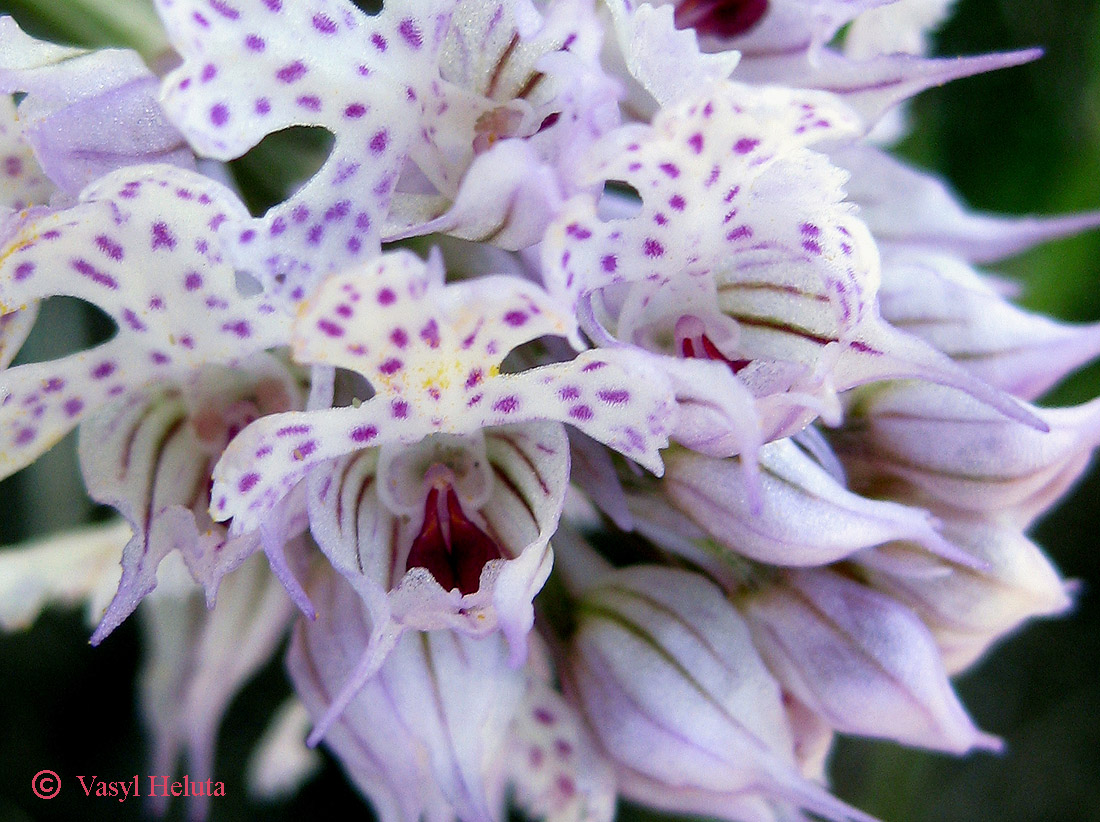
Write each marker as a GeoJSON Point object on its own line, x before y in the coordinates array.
{"type": "Point", "coordinates": [613, 396]}
{"type": "Point", "coordinates": [22, 181]}
{"type": "Point", "coordinates": [155, 218]}
{"type": "Point", "coordinates": [394, 322]}
{"type": "Point", "coordinates": [725, 178]}
{"type": "Point", "coordinates": [253, 67]}
{"type": "Point", "coordinates": [272, 455]}
{"type": "Point", "coordinates": [553, 763]}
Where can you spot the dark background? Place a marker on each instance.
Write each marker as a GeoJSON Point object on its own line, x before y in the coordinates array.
{"type": "Point", "coordinates": [1025, 140]}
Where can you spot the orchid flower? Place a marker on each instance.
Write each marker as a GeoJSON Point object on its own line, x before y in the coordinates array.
{"type": "Point", "coordinates": [615, 418]}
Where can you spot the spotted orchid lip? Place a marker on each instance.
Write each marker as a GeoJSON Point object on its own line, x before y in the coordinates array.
{"type": "Point", "coordinates": [677, 313]}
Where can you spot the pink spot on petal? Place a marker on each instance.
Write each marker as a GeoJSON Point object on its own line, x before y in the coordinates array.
{"type": "Point", "coordinates": [364, 433]}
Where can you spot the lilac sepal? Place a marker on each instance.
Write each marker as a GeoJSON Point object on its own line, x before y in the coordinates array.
{"type": "Point", "coordinates": [806, 516]}
{"type": "Point", "coordinates": [420, 737]}
{"type": "Point", "coordinates": [706, 722]}
{"type": "Point", "coordinates": [863, 661]}
{"type": "Point", "coordinates": [949, 305]}
{"type": "Point", "coordinates": [953, 453]}
{"type": "Point", "coordinates": [874, 86]}
{"type": "Point", "coordinates": [969, 608]}
{"type": "Point", "coordinates": [199, 660]}
{"type": "Point", "coordinates": [150, 456]}
{"type": "Point", "coordinates": [794, 26]}
{"type": "Point", "coordinates": [908, 207]}
{"type": "Point", "coordinates": [87, 113]}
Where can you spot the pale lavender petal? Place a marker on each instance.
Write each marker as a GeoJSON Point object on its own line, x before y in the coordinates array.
{"type": "Point", "coordinates": [969, 608]}
{"type": "Point", "coordinates": [417, 738]}
{"type": "Point", "coordinates": [200, 660]}
{"type": "Point", "coordinates": [861, 660]}
{"type": "Point", "coordinates": [507, 197]}
{"type": "Point", "coordinates": [592, 468]}
{"type": "Point", "coordinates": [143, 459]}
{"type": "Point", "coordinates": [795, 25]}
{"type": "Point", "coordinates": [946, 303]}
{"type": "Point", "coordinates": [86, 113]}
{"type": "Point", "coordinates": [154, 218]}
{"type": "Point", "coordinates": [281, 761]}
{"type": "Point", "coordinates": [874, 86]}
{"type": "Point", "coordinates": [805, 517]}
{"type": "Point", "coordinates": [60, 569]}
{"type": "Point", "coordinates": [665, 62]}
{"type": "Point", "coordinates": [954, 452]}
{"type": "Point", "coordinates": [909, 207]}
{"type": "Point", "coordinates": [707, 716]}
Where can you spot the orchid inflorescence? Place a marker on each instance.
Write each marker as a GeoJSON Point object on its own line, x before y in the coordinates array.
{"type": "Point", "coordinates": [614, 415]}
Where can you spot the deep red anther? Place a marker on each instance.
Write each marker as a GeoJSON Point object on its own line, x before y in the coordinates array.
{"type": "Point", "coordinates": [453, 550]}
{"type": "Point", "coordinates": [709, 352]}
{"type": "Point", "coordinates": [719, 18]}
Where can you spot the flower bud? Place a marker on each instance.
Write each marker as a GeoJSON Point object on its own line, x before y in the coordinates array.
{"type": "Point", "coordinates": [949, 450]}
{"type": "Point", "coordinates": [805, 516]}
{"type": "Point", "coordinates": [968, 608]}
{"type": "Point", "coordinates": [864, 662]}
{"type": "Point", "coordinates": [667, 676]}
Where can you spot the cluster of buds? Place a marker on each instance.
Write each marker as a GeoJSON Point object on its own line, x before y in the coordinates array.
{"type": "Point", "coordinates": [612, 415]}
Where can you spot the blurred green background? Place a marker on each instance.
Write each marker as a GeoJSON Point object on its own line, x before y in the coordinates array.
{"type": "Point", "coordinates": [1026, 140]}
